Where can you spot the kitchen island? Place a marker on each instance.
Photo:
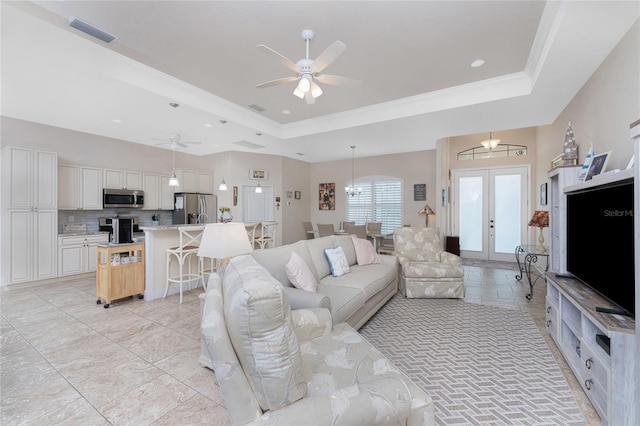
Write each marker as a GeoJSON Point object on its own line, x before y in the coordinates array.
{"type": "Point", "coordinates": [157, 240]}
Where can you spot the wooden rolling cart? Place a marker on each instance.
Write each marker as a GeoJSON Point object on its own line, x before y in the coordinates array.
{"type": "Point", "coordinates": [120, 272]}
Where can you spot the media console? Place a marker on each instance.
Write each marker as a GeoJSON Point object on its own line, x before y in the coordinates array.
{"type": "Point", "coordinates": [599, 347]}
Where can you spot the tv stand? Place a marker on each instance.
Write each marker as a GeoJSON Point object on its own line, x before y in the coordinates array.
{"type": "Point", "coordinates": [599, 347]}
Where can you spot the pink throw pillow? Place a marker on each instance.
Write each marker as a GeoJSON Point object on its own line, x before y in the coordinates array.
{"type": "Point", "coordinates": [365, 253]}
{"type": "Point", "coordinates": [299, 273]}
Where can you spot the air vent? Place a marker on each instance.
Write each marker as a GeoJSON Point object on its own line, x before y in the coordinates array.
{"type": "Point", "coordinates": [257, 108]}
{"type": "Point", "coordinates": [248, 144]}
{"type": "Point", "coordinates": [89, 29]}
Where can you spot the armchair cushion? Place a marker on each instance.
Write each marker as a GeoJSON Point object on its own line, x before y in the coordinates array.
{"type": "Point", "coordinates": [259, 324]}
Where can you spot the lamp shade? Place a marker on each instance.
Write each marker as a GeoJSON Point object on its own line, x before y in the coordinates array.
{"type": "Point", "coordinates": [540, 219]}
{"type": "Point", "coordinates": [224, 240]}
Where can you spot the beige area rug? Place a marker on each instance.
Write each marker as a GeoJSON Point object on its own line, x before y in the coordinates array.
{"type": "Point", "coordinates": [480, 364]}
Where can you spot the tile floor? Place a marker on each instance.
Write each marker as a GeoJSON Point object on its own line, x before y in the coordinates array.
{"type": "Point", "coordinates": [65, 359]}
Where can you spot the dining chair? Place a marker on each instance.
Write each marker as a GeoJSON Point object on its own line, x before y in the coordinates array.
{"type": "Point", "coordinates": [359, 231]}
{"type": "Point", "coordinates": [374, 228]}
{"type": "Point", "coordinates": [325, 229]}
{"type": "Point", "coordinates": [345, 222]}
{"type": "Point", "coordinates": [308, 229]}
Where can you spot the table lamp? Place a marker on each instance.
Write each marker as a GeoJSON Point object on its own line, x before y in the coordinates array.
{"type": "Point", "coordinates": [222, 241]}
{"type": "Point", "coordinates": [541, 220]}
{"type": "Point", "coordinates": [427, 212]}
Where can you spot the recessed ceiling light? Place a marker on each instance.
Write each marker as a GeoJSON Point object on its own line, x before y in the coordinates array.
{"type": "Point", "coordinates": [208, 125]}
{"type": "Point", "coordinates": [286, 112]}
{"type": "Point", "coordinates": [117, 121]}
{"type": "Point", "coordinates": [477, 63]}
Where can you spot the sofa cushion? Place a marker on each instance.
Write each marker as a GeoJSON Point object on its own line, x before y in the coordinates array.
{"type": "Point", "coordinates": [316, 251]}
{"type": "Point", "coordinates": [299, 273]}
{"type": "Point", "coordinates": [344, 300]}
{"type": "Point", "coordinates": [337, 261]}
{"type": "Point", "coordinates": [368, 279]}
{"type": "Point", "coordinates": [347, 245]}
{"type": "Point", "coordinates": [431, 270]}
{"type": "Point", "coordinates": [259, 324]}
{"type": "Point", "coordinates": [275, 260]}
{"type": "Point", "coordinates": [365, 253]}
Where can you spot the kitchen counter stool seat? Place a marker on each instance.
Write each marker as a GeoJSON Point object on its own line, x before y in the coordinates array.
{"type": "Point", "coordinates": [189, 244]}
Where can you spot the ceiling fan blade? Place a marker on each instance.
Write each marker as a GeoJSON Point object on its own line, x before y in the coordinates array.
{"type": "Point", "coordinates": [328, 56]}
{"type": "Point", "coordinates": [282, 59]}
{"type": "Point", "coordinates": [309, 98]}
{"type": "Point", "coordinates": [337, 80]}
{"type": "Point", "coordinates": [277, 82]}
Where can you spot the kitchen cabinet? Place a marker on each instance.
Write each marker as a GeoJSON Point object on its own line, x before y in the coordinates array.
{"type": "Point", "coordinates": [194, 182]}
{"type": "Point", "coordinates": [122, 179]}
{"type": "Point", "coordinates": [158, 195]}
{"type": "Point", "coordinates": [79, 187]}
{"type": "Point", "coordinates": [77, 254]}
{"type": "Point", "coordinates": [29, 214]}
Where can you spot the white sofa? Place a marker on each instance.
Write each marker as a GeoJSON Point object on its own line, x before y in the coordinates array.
{"type": "Point", "coordinates": [281, 367]}
{"type": "Point", "coordinates": [352, 298]}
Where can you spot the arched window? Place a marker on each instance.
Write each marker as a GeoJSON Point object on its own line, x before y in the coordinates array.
{"type": "Point", "coordinates": [381, 200]}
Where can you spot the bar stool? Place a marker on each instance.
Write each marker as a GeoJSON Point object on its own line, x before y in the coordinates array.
{"type": "Point", "coordinates": [267, 234]}
{"type": "Point", "coordinates": [190, 237]}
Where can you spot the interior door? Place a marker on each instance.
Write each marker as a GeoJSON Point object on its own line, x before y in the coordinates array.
{"type": "Point", "coordinates": [257, 207]}
{"type": "Point", "coordinates": [490, 211]}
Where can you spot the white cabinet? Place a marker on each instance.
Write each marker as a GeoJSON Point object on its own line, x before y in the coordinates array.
{"type": "Point", "coordinates": [79, 187]}
{"type": "Point", "coordinates": [559, 179]}
{"type": "Point", "coordinates": [29, 215]}
{"type": "Point", "coordinates": [598, 347]}
{"type": "Point", "coordinates": [194, 182]}
{"type": "Point", "coordinates": [158, 195]}
{"type": "Point", "coordinates": [122, 179]}
{"type": "Point", "coordinates": [78, 254]}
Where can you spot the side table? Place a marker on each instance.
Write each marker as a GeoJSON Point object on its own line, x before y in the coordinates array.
{"type": "Point", "coordinates": [531, 254]}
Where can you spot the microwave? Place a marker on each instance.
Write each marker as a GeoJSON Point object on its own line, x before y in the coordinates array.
{"type": "Point", "coordinates": [122, 198]}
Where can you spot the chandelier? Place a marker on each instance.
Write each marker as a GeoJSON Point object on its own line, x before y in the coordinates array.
{"type": "Point", "coordinates": [490, 143]}
{"type": "Point", "coordinates": [352, 190]}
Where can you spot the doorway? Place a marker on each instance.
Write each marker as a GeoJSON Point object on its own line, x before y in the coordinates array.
{"type": "Point", "coordinates": [257, 207]}
{"type": "Point", "coordinates": [490, 211]}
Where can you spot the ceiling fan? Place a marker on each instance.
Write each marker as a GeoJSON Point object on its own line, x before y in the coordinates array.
{"type": "Point", "coordinates": [175, 141]}
{"type": "Point", "coordinates": [308, 70]}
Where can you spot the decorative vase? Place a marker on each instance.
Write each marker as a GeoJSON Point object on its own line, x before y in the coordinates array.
{"type": "Point", "coordinates": [226, 217]}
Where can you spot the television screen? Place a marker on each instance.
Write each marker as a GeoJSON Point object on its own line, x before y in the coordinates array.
{"type": "Point", "coordinates": [600, 241]}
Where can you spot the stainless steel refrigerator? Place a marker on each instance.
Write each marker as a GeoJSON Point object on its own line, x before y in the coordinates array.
{"type": "Point", "coordinates": [194, 208]}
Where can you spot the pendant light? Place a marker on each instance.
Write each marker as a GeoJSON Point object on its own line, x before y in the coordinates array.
{"type": "Point", "coordinates": [173, 180]}
{"type": "Point", "coordinates": [223, 184]}
{"type": "Point", "coordinates": [352, 190]}
{"type": "Point", "coordinates": [258, 189]}
{"type": "Point", "coordinates": [490, 143]}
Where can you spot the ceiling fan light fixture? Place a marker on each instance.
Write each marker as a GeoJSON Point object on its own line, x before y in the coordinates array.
{"type": "Point", "coordinates": [316, 91]}
{"type": "Point", "coordinates": [305, 83]}
{"type": "Point", "coordinates": [299, 93]}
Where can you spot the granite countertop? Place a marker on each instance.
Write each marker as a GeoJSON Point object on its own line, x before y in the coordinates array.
{"type": "Point", "coordinates": [166, 227]}
{"type": "Point", "coordinates": [118, 245]}
{"type": "Point", "coordinates": [79, 234]}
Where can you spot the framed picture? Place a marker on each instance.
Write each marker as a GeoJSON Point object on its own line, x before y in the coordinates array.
{"type": "Point", "coordinates": [327, 196]}
{"type": "Point", "coordinates": [543, 194]}
{"type": "Point", "coordinates": [598, 165]}
{"type": "Point", "coordinates": [420, 192]}
{"type": "Point", "coordinates": [258, 174]}
{"type": "Point", "coordinates": [235, 195]}
{"type": "Point", "coordinates": [298, 195]}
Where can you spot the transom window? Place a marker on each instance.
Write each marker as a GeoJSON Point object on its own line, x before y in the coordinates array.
{"type": "Point", "coordinates": [381, 200]}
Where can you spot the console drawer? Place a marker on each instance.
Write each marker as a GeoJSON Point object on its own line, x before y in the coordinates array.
{"type": "Point", "coordinates": [551, 320]}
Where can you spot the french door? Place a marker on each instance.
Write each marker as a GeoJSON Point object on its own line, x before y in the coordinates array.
{"type": "Point", "coordinates": [490, 211]}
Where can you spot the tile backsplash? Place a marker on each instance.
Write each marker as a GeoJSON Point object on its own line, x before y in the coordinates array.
{"type": "Point", "coordinates": [91, 217]}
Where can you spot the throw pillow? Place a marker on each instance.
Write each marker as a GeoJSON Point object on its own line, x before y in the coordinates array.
{"type": "Point", "coordinates": [299, 273]}
{"type": "Point", "coordinates": [337, 261]}
{"type": "Point", "coordinates": [365, 253]}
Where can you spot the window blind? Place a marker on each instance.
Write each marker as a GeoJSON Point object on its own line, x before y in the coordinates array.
{"type": "Point", "coordinates": [380, 201]}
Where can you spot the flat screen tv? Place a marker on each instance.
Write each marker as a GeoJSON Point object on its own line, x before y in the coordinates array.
{"type": "Point", "coordinates": [600, 241]}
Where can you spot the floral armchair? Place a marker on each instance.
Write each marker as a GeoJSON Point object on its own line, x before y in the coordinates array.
{"type": "Point", "coordinates": [277, 366]}
{"type": "Point", "coordinates": [425, 269]}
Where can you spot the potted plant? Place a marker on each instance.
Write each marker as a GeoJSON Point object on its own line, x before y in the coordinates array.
{"type": "Point", "coordinates": [225, 214]}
